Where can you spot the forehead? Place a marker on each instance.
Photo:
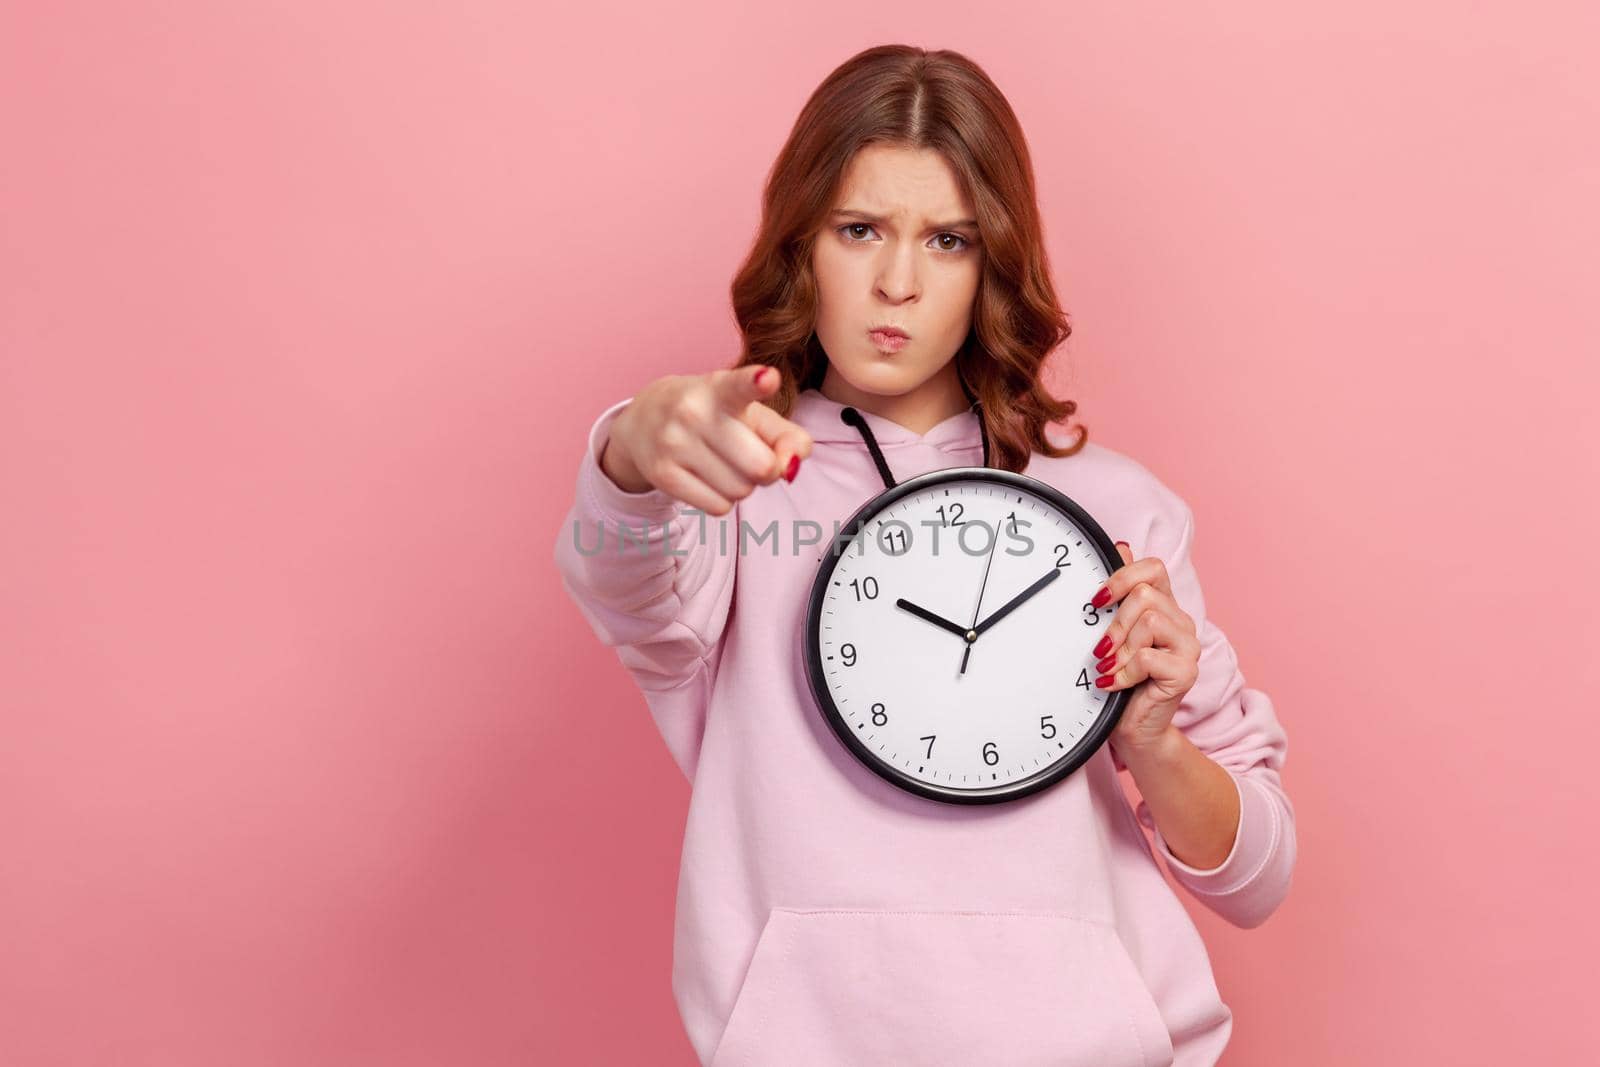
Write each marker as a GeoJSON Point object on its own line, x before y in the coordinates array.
{"type": "Point", "coordinates": [908, 184]}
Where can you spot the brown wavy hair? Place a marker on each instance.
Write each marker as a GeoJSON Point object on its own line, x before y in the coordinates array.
{"type": "Point", "coordinates": [910, 97]}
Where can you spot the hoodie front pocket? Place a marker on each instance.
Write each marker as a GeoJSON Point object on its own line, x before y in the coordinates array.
{"type": "Point", "coordinates": [846, 988]}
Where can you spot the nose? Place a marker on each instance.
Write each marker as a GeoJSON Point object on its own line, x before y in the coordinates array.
{"type": "Point", "coordinates": [897, 273]}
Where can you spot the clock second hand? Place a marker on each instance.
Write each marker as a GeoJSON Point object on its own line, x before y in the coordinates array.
{"type": "Point", "coordinates": [966, 652]}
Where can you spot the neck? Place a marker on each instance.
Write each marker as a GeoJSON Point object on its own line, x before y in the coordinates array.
{"type": "Point", "coordinates": [919, 410]}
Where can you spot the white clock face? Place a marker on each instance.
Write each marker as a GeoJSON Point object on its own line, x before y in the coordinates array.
{"type": "Point", "coordinates": [953, 637]}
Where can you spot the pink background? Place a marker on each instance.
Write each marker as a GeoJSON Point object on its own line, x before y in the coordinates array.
{"type": "Point", "coordinates": [305, 309]}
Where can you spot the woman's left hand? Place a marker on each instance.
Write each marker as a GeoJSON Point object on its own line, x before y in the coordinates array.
{"type": "Point", "coordinates": [1151, 645]}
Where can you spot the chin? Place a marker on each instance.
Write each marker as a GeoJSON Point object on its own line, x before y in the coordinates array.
{"type": "Point", "coordinates": [884, 377]}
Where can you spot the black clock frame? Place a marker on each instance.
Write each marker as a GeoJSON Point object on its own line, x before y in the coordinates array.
{"type": "Point", "coordinates": [1074, 757]}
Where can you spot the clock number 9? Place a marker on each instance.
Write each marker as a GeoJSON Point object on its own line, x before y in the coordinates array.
{"type": "Point", "coordinates": [879, 716]}
{"type": "Point", "coordinates": [990, 756]}
{"type": "Point", "coordinates": [847, 652]}
{"type": "Point", "coordinates": [866, 588]}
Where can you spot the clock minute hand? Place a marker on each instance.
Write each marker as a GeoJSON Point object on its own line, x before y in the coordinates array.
{"type": "Point", "coordinates": [1012, 604]}
{"type": "Point", "coordinates": [938, 620]}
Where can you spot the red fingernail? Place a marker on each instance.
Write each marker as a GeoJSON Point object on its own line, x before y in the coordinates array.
{"type": "Point", "coordinates": [761, 375]}
{"type": "Point", "coordinates": [1105, 681]}
{"type": "Point", "coordinates": [1101, 597]}
{"type": "Point", "coordinates": [794, 468]}
{"type": "Point", "coordinates": [1124, 544]}
{"type": "Point", "coordinates": [1104, 646]}
{"type": "Point", "coordinates": [1105, 665]}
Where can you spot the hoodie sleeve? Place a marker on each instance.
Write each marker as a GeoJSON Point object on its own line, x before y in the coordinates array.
{"type": "Point", "coordinates": [649, 574]}
{"type": "Point", "coordinates": [1237, 727]}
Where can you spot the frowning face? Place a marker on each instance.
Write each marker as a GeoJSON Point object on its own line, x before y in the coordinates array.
{"type": "Point", "coordinates": [902, 251]}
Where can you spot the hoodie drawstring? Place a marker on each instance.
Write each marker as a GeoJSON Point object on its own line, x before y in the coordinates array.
{"type": "Point", "coordinates": [853, 417]}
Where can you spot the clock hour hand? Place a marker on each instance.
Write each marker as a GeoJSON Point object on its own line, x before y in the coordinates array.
{"type": "Point", "coordinates": [1012, 604]}
{"type": "Point", "coordinates": [938, 620]}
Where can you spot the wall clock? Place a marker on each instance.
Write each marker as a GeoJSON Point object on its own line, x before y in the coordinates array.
{"type": "Point", "coordinates": [949, 632]}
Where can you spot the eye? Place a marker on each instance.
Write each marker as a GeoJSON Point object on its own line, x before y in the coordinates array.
{"type": "Point", "coordinates": [848, 229]}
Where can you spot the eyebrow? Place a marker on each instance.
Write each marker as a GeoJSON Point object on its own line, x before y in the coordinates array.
{"type": "Point", "coordinates": [867, 216]}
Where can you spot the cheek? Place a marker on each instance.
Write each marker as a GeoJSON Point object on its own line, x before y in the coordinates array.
{"type": "Point", "coordinates": [825, 268]}
{"type": "Point", "coordinates": [955, 299]}
{"type": "Point", "coordinates": [837, 284]}
{"type": "Point", "coordinates": [840, 263]}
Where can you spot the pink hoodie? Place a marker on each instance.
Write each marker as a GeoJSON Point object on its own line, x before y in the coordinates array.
{"type": "Point", "coordinates": [825, 917]}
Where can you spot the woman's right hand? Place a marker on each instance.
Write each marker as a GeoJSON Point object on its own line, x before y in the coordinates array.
{"type": "Point", "coordinates": [704, 439]}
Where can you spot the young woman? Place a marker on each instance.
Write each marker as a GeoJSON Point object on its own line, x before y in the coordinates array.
{"type": "Point", "coordinates": [825, 916]}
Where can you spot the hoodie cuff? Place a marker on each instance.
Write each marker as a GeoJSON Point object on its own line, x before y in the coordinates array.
{"type": "Point", "coordinates": [1253, 844]}
{"type": "Point", "coordinates": [608, 498]}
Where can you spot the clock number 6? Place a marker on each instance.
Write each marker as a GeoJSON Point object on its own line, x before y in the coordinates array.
{"type": "Point", "coordinates": [990, 756]}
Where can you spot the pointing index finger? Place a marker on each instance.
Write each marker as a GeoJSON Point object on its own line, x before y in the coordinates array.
{"type": "Point", "coordinates": [738, 386]}
{"type": "Point", "coordinates": [785, 437]}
